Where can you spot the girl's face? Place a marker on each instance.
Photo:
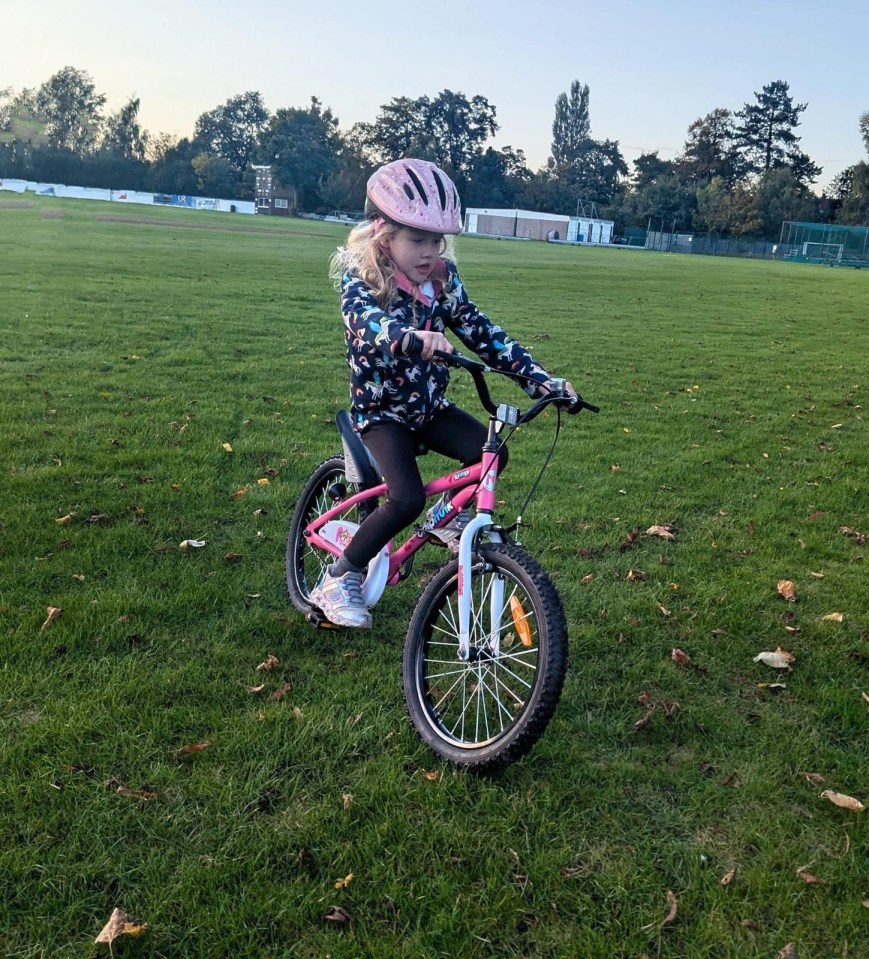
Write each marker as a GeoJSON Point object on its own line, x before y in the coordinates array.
{"type": "Point", "coordinates": [414, 252]}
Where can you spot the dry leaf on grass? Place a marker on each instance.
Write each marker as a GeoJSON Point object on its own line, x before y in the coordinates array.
{"type": "Point", "coordinates": [680, 658]}
{"type": "Point", "coordinates": [190, 749]}
{"type": "Point", "coordinates": [270, 662]}
{"type": "Point", "coordinates": [779, 659]}
{"type": "Point", "coordinates": [787, 952]}
{"type": "Point", "coordinates": [807, 877]}
{"type": "Point", "coordinates": [814, 778]}
{"type": "Point", "coordinates": [191, 544]}
{"type": "Point", "coordinates": [347, 800]}
{"type": "Point", "coordinates": [253, 689]}
{"type": "Point", "coordinates": [665, 531]}
{"type": "Point", "coordinates": [844, 802]}
{"type": "Point", "coordinates": [727, 878]}
{"type": "Point", "coordinates": [833, 618]}
{"type": "Point", "coordinates": [787, 590]}
{"type": "Point", "coordinates": [864, 697]}
{"type": "Point", "coordinates": [120, 924]}
{"type": "Point", "coordinates": [233, 557]}
{"type": "Point", "coordinates": [343, 883]}
{"type": "Point", "coordinates": [587, 579]}
{"type": "Point", "coordinates": [338, 915]}
{"type": "Point", "coordinates": [64, 520]}
{"type": "Point", "coordinates": [227, 447]}
{"type": "Point", "coordinates": [136, 793]}
{"type": "Point", "coordinates": [280, 693]}
{"type": "Point", "coordinates": [53, 613]}
{"type": "Point", "coordinates": [671, 914]}
{"type": "Point", "coordinates": [431, 775]}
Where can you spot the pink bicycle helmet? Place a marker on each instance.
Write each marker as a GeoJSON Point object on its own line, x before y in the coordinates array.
{"type": "Point", "coordinates": [415, 193]}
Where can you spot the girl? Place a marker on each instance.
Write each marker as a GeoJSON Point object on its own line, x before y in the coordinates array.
{"type": "Point", "coordinates": [397, 285]}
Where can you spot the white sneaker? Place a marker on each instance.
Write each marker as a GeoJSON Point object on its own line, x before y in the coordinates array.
{"type": "Point", "coordinates": [340, 599]}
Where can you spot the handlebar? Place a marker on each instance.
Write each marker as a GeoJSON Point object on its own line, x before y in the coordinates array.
{"type": "Point", "coordinates": [412, 346]}
{"type": "Point", "coordinates": [559, 397]}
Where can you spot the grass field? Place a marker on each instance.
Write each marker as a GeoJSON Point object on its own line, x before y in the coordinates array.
{"type": "Point", "coordinates": [137, 345]}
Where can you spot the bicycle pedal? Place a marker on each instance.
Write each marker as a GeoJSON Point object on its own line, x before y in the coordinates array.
{"type": "Point", "coordinates": [317, 619]}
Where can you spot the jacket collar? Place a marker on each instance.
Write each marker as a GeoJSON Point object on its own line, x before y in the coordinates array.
{"type": "Point", "coordinates": [438, 277]}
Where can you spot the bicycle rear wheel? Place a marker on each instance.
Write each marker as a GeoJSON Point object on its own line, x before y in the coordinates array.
{"type": "Point", "coordinates": [488, 712]}
{"type": "Point", "coordinates": [306, 564]}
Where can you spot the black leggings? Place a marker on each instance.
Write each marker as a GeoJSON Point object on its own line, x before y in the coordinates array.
{"type": "Point", "coordinates": [451, 432]}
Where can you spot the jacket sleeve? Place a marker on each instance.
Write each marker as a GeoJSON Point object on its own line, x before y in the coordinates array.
{"type": "Point", "coordinates": [486, 338]}
{"type": "Point", "coordinates": [365, 321]}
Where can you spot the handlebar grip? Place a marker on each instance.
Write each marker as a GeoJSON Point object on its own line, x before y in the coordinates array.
{"type": "Point", "coordinates": [580, 404]}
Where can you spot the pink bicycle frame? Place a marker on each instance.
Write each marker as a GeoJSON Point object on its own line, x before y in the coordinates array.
{"type": "Point", "coordinates": [477, 482]}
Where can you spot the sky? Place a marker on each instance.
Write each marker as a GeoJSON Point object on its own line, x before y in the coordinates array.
{"type": "Point", "coordinates": [652, 67]}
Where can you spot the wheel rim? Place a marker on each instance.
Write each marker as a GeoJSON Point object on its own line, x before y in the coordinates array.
{"type": "Point", "coordinates": [311, 562]}
{"type": "Point", "coordinates": [472, 704]}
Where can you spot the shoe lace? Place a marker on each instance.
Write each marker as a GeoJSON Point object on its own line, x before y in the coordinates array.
{"type": "Point", "coordinates": [352, 588]}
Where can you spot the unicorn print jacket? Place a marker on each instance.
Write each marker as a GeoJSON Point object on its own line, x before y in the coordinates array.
{"type": "Point", "coordinates": [387, 386]}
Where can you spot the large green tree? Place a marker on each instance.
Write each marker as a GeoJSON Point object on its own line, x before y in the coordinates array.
{"type": "Point", "coordinates": [230, 130]}
{"type": "Point", "coordinates": [765, 135]}
{"type": "Point", "coordinates": [450, 129]}
{"type": "Point", "coordinates": [302, 147]}
{"type": "Point", "coordinates": [123, 135]}
{"type": "Point", "coordinates": [571, 127]}
{"type": "Point", "coordinates": [71, 107]}
{"type": "Point", "coordinates": [710, 149]}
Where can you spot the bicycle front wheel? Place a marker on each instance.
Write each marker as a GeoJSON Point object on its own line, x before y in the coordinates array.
{"type": "Point", "coordinates": [488, 712]}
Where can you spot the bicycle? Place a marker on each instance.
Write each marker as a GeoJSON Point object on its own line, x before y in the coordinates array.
{"type": "Point", "coordinates": [485, 653]}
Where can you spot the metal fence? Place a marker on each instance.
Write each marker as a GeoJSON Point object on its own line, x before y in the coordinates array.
{"type": "Point", "coordinates": [824, 243]}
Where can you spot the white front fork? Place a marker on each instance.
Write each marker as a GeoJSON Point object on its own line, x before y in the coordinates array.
{"type": "Point", "coordinates": [496, 597]}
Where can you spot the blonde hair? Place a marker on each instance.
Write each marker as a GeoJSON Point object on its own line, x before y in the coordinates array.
{"type": "Point", "coordinates": [365, 257]}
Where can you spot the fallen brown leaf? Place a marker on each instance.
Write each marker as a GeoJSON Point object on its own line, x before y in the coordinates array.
{"type": "Point", "coordinates": [727, 878]}
{"type": "Point", "coordinates": [338, 915]}
{"type": "Point", "coordinates": [587, 579]}
{"type": "Point", "coordinates": [253, 689]}
{"type": "Point", "coordinates": [431, 775]}
{"type": "Point", "coordinates": [833, 618]}
{"type": "Point", "coordinates": [280, 693]}
{"type": "Point", "coordinates": [671, 914]}
{"type": "Point", "coordinates": [788, 952]}
{"type": "Point", "coordinates": [854, 534]}
{"type": "Point", "coordinates": [680, 658]}
{"type": "Point", "coordinates": [787, 590]}
{"type": "Point", "coordinates": [779, 659]}
{"type": "Point", "coordinates": [190, 749]}
{"type": "Point", "coordinates": [343, 883]}
{"type": "Point", "coordinates": [645, 720]}
{"type": "Point", "coordinates": [270, 662]}
{"type": "Point", "coordinates": [65, 520]}
{"type": "Point", "coordinates": [664, 530]}
{"type": "Point", "coordinates": [53, 613]}
{"type": "Point", "coordinates": [347, 800]}
{"type": "Point", "coordinates": [807, 877]}
{"type": "Point", "coordinates": [233, 557]}
{"type": "Point", "coordinates": [844, 802]}
{"type": "Point", "coordinates": [629, 540]}
{"type": "Point", "coordinates": [814, 778]}
{"type": "Point", "coordinates": [120, 924]}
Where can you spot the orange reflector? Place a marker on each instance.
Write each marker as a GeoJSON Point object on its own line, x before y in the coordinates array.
{"type": "Point", "coordinates": [522, 627]}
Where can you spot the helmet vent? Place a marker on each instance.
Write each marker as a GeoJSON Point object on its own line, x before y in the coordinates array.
{"type": "Point", "coordinates": [442, 193]}
{"type": "Point", "coordinates": [418, 184]}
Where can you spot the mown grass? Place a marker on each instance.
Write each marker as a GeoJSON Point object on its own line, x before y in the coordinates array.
{"type": "Point", "coordinates": [733, 395]}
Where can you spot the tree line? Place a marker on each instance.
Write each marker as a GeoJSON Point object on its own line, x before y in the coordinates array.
{"type": "Point", "coordinates": [740, 172]}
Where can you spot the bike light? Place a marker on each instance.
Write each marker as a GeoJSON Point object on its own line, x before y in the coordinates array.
{"type": "Point", "coordinates": [521, 623]}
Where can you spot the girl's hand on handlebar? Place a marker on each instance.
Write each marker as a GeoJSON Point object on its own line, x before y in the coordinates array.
{"type": "Point", "coordinates": [432, 341]}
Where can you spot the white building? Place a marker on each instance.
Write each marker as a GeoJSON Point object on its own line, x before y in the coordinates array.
{"type": "Point", "coordinates": [528, 225]}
